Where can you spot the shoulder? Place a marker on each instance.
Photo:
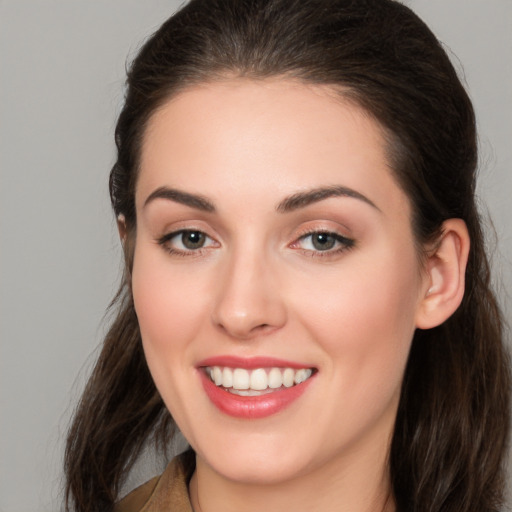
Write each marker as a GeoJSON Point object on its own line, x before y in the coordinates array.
{"type": "Point", "coordinates": [165, 492]}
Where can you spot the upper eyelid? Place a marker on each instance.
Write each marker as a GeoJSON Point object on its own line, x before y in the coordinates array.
{"type": "Point", "coordinates": [342, 232]}
{"type": "Point", "coordinates": [335, 234]}
{"type": "Point", "coordinates": [164, 243]}
{"type": "Point", "coordinates": [342, 245]}
{"type": "Point", "coordinates": [307, 232]}
{"type": "Point", "coordinates": [176, 232]}
{"type": "Point", "coordinates": [184, 227]}
{"type": "Point", "coordinates": [315, 231]}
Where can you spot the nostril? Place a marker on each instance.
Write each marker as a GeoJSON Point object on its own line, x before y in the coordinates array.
{"type": "Point", "coordinates": [246, 307]}
{"type": "Point", "coordinates": [242, 331]}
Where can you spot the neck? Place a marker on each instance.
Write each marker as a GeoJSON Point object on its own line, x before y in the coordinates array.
{"type": "Point", "coordinates": [356, 485]}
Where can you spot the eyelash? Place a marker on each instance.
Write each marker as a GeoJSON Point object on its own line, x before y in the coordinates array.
{"type": "Point", "coordinates": [164, 242]}
{"type": "Point", "coordinates": [344, 243]}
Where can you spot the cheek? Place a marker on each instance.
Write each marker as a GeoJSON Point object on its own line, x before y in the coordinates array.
{"type": "Point", "coordinates": [160, 312]}
{"type": "Point", "coordinates": [170, 314]}
{"type": "Point", "coordinates": [364, 320]}
{"type": "Point", "coordinates": [168, 306]}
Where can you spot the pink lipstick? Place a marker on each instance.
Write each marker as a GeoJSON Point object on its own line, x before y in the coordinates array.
{"type": "Point", "coordinates": [253, 387]}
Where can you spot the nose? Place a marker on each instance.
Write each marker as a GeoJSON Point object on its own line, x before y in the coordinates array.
{"type": "Point", "coordinates": [249, 301]}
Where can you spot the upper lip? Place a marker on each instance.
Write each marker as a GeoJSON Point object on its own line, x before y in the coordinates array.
{"type": "Point", "coordinates": [251, 363]}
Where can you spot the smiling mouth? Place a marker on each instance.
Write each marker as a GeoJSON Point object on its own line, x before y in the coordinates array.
{"type": "Point", "coordinates": [258, 381]}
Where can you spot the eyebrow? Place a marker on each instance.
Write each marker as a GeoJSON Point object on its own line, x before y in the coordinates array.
{"type": "Point", "coordinates": [289, 204]}
{"type": "Point", "coordinates": [303, 199]}
{"type": "Point", "coordinates": [193, 200]}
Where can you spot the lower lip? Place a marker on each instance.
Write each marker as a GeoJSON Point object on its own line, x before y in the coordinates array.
{"type": "Point", "coordinates": [252, 407]}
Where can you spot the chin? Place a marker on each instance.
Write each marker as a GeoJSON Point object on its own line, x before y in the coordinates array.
{"type": "Point", "coordinates": [257, 463]}
{"type": "Point", "coordinates": [269, 470]}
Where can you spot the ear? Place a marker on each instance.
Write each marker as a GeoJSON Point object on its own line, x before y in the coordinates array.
{"type": "Point", "coordinates": [125, 241]}
{"type": "Point", "coordinates": [445, 275]}
{"type": "Point", "coordinates": [121, 227]}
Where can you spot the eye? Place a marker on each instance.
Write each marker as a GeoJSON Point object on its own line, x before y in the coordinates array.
{"type": "Point", "coordinates": [186, 241]}
{"type": "Point", "coordinates": [190, 239]}
{"type": "Point", "coordinates": [323, 241]}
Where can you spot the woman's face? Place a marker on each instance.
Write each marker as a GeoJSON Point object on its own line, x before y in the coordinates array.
{"type": "Point", "coordinates": [273, 245]}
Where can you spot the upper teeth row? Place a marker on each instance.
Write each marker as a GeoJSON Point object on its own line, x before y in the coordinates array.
{"type": "Point", "coordinates": [258, 379]}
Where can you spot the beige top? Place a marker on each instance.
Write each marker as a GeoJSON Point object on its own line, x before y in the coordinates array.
{"type": "Point", "coordinates": [165, 493]}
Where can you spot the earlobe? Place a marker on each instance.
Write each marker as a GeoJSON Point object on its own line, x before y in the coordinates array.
{"type": "Point", "coordinates": [127, 246]}
{"type": "Point", "coordinates": [445, 275]}
{"type": "Point", "coordinates": [121, 227]}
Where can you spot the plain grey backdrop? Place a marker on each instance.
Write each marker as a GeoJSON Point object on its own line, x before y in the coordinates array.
{"type": "Point", "coordinates": [61, 86]}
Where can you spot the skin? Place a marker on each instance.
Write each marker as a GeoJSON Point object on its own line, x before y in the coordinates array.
{"type": "Point", "coordinates": [258, 287]}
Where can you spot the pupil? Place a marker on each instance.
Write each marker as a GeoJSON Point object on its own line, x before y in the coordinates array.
{"type": "Point", "coordinates": [323, 241]}
{"type": "Point", "coordinates": [193, 239]}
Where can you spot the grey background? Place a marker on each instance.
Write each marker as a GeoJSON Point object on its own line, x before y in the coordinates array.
{"type": "Point", "coordinates": [61, 80]}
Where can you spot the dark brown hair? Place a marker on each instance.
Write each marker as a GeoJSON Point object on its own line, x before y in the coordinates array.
{"type": "Point", "coordinates": [450, 438]}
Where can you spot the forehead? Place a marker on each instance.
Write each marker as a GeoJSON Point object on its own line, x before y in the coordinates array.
{"type": "Point", "coordinates": [272, 136]}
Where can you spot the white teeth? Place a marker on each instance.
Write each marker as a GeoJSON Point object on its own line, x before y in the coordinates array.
{"type": "Point", "coordinates": [246, 392]}
{"type": "Point", "coordinates": [240, 379]}
{"type": "Point", "coordinates": [253, 382]}
{"type": "Point", "coordinates": [288, 378]}
{"type": "Point", "coordinates": [217, 376]}
{"type": "Point", "coordinates": [259, 379]}
{"type": "Point", "coordinates": [275, 379]}
{"type": "Point", "coordinates": [302, 375]}
{"type": "Point", "coordinates": [227, 378]}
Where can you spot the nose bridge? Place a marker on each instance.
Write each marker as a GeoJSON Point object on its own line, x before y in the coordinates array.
{"type": "Point", "coordinates": [248, 301]}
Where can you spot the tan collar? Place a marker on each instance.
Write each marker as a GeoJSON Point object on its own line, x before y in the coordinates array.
{"type": "Point", "coordinates": [165, 492]}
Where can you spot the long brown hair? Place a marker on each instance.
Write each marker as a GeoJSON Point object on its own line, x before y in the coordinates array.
{"type": "Point", "coordinates": [450, 438]}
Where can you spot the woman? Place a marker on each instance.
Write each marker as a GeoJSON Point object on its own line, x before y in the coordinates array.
{"type": "Point", "coordinates": [306, 293]}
